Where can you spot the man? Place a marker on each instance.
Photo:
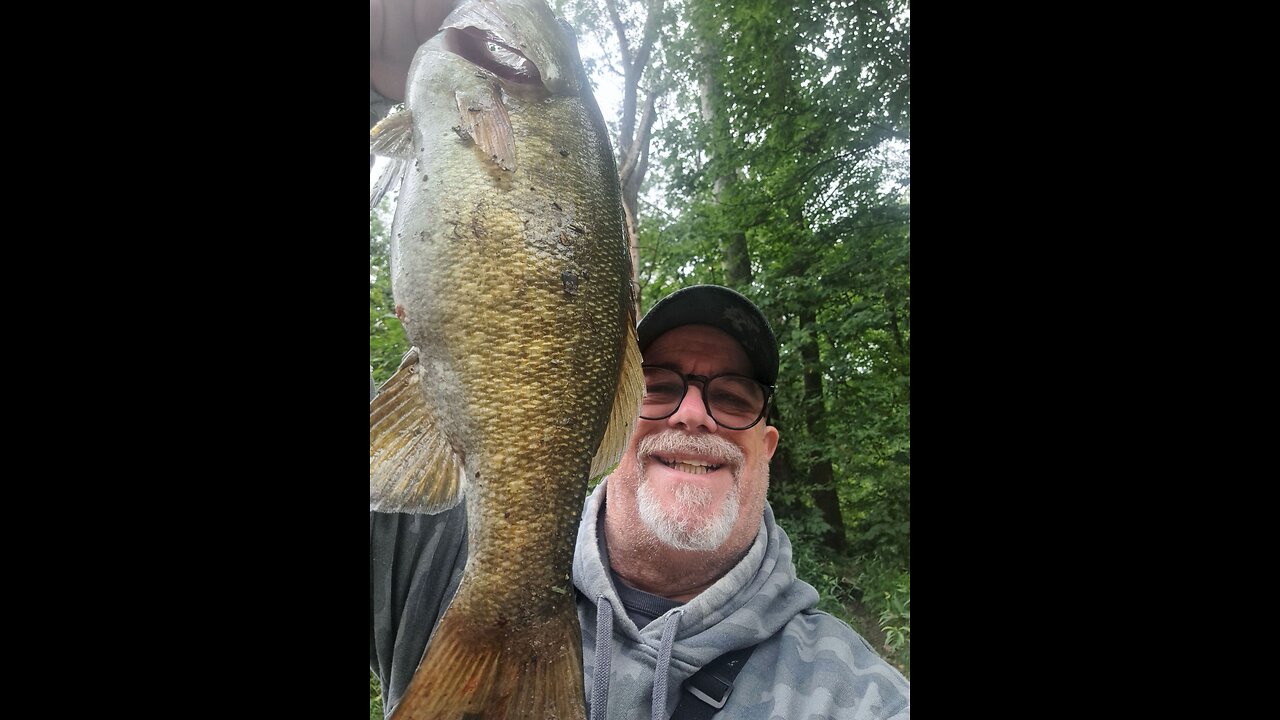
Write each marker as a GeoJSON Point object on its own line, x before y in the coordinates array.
{"type": "Point", "coordinates": [678, 560]}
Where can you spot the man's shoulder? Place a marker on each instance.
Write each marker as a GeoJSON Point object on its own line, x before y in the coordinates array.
{"type": "Point", "coordinates": [817, 666]}
{"type": "Point", "coordinates": [813, 626]}
{"type": "Point", "coordinates": [829, 643]}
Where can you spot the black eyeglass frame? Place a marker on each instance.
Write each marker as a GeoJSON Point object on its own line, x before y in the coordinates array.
{"type": "Point", "coordinates": [706, 404]}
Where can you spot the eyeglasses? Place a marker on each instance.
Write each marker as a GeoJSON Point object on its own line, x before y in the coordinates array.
{"type": "Point", "coordinates": [735, 402]}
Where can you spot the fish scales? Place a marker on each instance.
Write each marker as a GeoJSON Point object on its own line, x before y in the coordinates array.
{"type": "Point", "coordinates": [511, 276]}
{"type": "Point", "coordinates": [539, 366]}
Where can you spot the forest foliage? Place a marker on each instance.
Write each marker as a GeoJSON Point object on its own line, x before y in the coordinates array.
{"type": "Point", "coordinates": [771, 141]}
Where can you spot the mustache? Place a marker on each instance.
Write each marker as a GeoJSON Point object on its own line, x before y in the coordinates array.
{"type": "Point", "coordinates": [670, 442]}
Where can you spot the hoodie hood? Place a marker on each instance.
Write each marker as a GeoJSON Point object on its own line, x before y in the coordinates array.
{"type": "Point", "coordinates": [750, 604]}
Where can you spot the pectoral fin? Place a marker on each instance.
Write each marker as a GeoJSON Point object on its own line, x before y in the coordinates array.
{"type": "Point", "coordinates": [389, 178]}
{"type": "Point", "coordinates": [485, 119]}
{"type": "Point", "coordinates": [412, 467]}
{"type": "Point", "coordinates": [393, 136]}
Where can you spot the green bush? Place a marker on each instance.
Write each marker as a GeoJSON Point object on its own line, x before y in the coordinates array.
{"type": "Point", "coordinates": [375, 697]}
{"type": "Point", "coordinates": [887, 594]}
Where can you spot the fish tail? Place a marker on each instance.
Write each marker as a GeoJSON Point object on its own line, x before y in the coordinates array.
{"type": "Point", "coordinates": [527, 673]}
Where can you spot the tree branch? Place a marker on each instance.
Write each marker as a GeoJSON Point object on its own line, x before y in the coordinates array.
{"type": "Point", "coordinates": [621, 30]}
{"type": "Point", "coordinates": [650, 34]}
{"type": "Point", "coordinates": [640, 145]}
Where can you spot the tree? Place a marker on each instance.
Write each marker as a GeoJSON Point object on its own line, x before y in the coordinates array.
{"type": "Point", "coordinates": [387, 341]}
{"type": "Point", "coordinates": [770, 154]}
{"type": "Point", "coordinates": [636, 40]}
{"type": "Point", "coordinates": [785, 187]}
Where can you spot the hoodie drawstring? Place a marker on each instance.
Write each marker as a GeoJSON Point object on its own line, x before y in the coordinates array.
{"type": "Point", "coordinates": [604, 650]}
{"type": "Point", "coordinates": [664, 666]}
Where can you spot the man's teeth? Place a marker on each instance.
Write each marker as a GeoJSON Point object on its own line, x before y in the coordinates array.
{"type": "Point", "coordinates": [695, 467]}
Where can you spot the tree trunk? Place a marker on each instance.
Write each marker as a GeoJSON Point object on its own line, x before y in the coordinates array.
{"type": "Point", "coordinates": [824, 494]}
{"type": "Point", "coordinates": [633, 141]}
{"type": "Point", "coordinates": [735, 258]}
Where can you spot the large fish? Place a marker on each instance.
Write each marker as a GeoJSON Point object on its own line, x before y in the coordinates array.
{"type": "Point", "coordinates": [511, 276]}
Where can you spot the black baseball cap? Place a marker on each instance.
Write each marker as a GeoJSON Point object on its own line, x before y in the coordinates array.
{"type": "Point", "coordinates": [722, 308]}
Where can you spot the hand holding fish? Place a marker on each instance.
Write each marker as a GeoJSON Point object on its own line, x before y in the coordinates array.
{"type": "Point", "coordinates": [396, 29]}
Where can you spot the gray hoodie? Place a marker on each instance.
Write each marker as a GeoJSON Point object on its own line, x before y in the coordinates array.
{"type": "Point", "coordinates": [807, 664]}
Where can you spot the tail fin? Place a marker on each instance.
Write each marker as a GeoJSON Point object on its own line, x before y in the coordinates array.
{"type": "Point", "coordinates": [479, 673]}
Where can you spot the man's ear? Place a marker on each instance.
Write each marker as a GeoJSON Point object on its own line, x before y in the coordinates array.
{"type": "Point", "coordinates": [770, 441]}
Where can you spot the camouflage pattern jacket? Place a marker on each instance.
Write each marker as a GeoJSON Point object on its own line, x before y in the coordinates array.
{"type": "Point", "coordinates": [807, 664]}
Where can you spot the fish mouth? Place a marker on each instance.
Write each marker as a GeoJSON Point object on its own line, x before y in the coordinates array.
{"type": "Point", "coordinates": [484, 49]}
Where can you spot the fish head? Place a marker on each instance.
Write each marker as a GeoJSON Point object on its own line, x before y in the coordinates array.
{"type": "Point", "coordinates": [519, 41]}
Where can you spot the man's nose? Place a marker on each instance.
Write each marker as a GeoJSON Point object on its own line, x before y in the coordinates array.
{"type": "Point", "coordinates": [692, 414]}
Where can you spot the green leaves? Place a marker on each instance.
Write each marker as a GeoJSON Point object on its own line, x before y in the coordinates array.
{"type": "Point", "coordinates": [387, 341]}
{"type": "Point", "coordinates": [375, 697]}
{"type": "Point", "coordinates": [788, 136]}
{"type": "Point", "coordinates": [785, 135]}
{"type": "Point", "coordinates": [888, 593]}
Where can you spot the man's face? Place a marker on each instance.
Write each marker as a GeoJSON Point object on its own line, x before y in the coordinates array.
{"type": "Point", "coordinates": [691, 483]}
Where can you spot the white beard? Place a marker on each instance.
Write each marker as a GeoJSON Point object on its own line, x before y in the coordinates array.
{"type": "Point", "coordinates": [686, 526]}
